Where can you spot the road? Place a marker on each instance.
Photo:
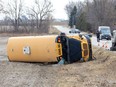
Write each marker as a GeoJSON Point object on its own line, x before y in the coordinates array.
{"type": "Point", "coordinates": [104, 43]}
{"type": "Point", "coordinates": [3, 42]}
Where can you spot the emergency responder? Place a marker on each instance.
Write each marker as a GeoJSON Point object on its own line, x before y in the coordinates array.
{"type": "Point", "coordinates": [98, 36]}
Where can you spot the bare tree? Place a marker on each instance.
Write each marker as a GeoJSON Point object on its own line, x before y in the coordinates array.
{"type": "Point", "coordinates": [78, 19]}
{"type": "Point", "coordinates": [100, 12]}
{"type": "Point", "coordinates": [1, 6]}
{"type": "Point", "coordinates": [69, 7]}
{"type": "Point", "coordinates": [40, 11]}
{"type": "Point", "coordinates": [14, 11]}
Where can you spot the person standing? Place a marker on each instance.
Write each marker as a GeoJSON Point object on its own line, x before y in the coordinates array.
{"type": "Point", "coordinates": [98, 35]}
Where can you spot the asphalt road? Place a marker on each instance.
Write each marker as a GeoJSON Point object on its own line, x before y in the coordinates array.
{"type": "Point", "coordinates": [103, 43]}
{"type": "Point", "coordinates": [3, 53]}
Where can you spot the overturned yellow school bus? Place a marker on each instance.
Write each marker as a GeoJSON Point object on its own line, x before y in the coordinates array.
{"type": "Point", "coordinates": [49, 48]}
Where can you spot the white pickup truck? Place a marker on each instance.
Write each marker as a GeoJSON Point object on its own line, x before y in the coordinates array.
{"type": "Point", "coordinates": [104, 32]}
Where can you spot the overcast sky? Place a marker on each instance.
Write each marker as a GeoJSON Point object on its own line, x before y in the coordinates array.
{"type": "Point", "coordinates": [59, 6]}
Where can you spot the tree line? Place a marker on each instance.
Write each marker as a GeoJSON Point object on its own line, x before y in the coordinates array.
{"type": "Point", "coordinates": [90, 14]}
{"type": "Point", "coordinates": [35, 18]}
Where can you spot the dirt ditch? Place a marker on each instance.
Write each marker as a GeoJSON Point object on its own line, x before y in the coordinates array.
{"type": "Point", "coordinates": [100, 72]}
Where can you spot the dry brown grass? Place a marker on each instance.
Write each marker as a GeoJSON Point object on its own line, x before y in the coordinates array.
{"type": "Point", "coordinates": [52, 31]}
{"type": "Point", "coordinates": [97, 73]}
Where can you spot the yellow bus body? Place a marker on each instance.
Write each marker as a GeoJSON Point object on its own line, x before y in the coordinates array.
{"type": "Point", "coordinates": [42, 49]}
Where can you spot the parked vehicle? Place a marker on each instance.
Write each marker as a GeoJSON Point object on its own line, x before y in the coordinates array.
{"type": "Point", "coordinates": [104, 33]}
{"type": "Point", "coordinates": [74, 31]}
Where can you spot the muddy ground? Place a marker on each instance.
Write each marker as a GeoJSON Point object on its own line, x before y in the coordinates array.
{"type": "Point", "coordinates": [97, 73]}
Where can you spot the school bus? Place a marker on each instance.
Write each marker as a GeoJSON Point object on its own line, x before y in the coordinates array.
{"type": "Point", "coordinates": [52, 48]}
